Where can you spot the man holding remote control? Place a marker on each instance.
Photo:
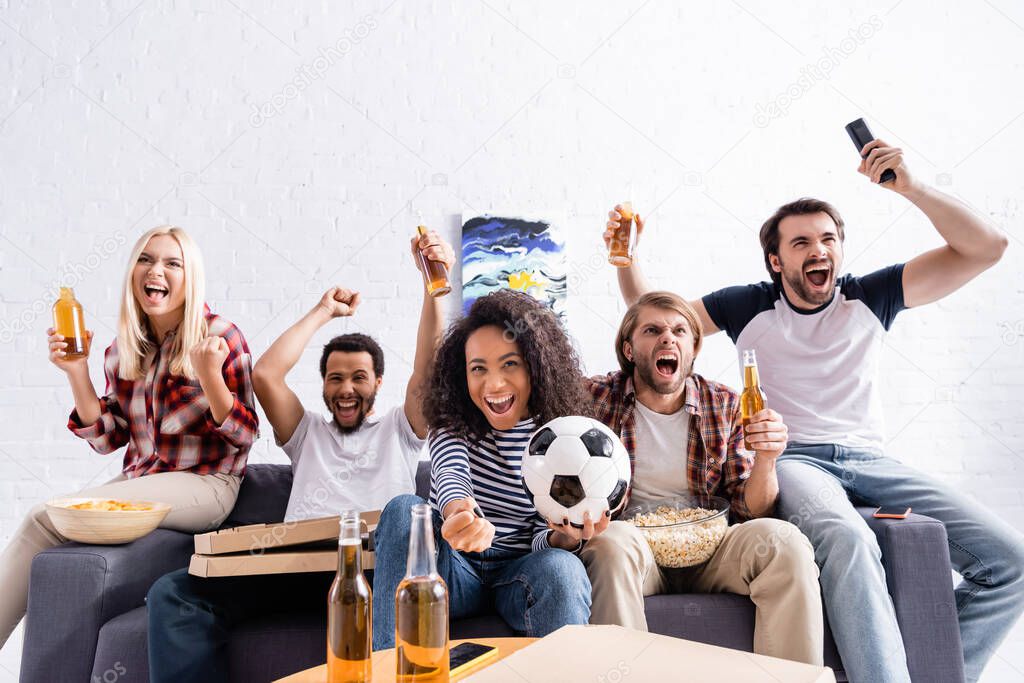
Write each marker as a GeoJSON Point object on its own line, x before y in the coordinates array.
{"type": "Point", "coordinates": [818, 337]}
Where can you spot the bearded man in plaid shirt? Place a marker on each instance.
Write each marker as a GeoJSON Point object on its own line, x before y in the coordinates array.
{"type": "Point", "coordinates": [684, 436]}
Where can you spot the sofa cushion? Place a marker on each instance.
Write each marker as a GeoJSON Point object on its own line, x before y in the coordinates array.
{"type": "Point", "coordinates": [121, 650]}
{"type": "Point", "coordinates": [423, 479]}
{"type": "Point", "coordinates": [263, 496]}
{"type": "Point", "coordinates": [721, 619]}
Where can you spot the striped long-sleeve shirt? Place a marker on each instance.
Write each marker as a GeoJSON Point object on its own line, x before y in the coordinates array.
{"type": "Point", "coordinates": [489, 470]}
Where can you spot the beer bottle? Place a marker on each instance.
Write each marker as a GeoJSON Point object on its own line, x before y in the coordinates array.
{"type": "Point", "coordinates": [349, 610]}
{"type": "Point", "coordinates": [435, 273]}
{"type": "Point", "coordinates": [623, 242]}
{"type": "Point", "coordinates": [69, 322]}
{"type": "Point", "coordinates": [752, 400]}
{"type": "Point", "coordinates": [421, 609]}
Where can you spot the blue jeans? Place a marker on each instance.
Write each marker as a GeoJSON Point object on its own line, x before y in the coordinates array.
{"type": "Point", "coordinates": [819, 485]}
{"type": "Point", "coordinates": [191, 619]}
{"type": "Point", "coordinates": [536, 592]}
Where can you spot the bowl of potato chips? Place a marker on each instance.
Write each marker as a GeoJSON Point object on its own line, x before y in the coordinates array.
{"type": "Point", "coordinates": [105, 521]}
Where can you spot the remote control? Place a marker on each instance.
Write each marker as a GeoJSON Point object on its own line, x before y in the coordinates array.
{"type": "Point", "coordinates": [861, 135]}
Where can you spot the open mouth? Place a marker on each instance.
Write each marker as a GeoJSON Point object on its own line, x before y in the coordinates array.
{"type": "Point", "coordinates": [155, 293]}
{"type": "Point", "coordinates": [346, 409]}
{"type": "Point", "coordinates": [666, 362]}
{"type": "Point", "coordinates": [818, 274]}
{"type": "Point", "coordinates": [501, 404]}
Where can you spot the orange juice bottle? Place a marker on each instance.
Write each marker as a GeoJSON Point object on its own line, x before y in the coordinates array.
{"type": "Point", "coordinates": [435, 274]}
{"type": "Point", "coordinates": [69, 323]}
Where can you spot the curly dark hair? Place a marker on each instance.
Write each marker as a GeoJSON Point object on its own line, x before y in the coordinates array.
{"type": "Point", "coordinates": [556, 379]}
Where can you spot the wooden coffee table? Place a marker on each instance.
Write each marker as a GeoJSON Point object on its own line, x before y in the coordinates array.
{"type": "Point", "coordinates": [384, 662]}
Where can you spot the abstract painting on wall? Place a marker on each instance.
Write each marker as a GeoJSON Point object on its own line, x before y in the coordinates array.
{"type": "Point", "coordinates": [526, 254]}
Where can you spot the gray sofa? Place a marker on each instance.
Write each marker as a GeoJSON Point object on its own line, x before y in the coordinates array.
{"type": "Point", "coordinates": [87, 618]}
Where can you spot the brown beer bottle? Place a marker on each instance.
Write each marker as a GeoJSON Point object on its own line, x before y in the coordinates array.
{"type": "Point", "coordinates": [752, 400]}
{"type": "Point", "coordinates": [421, 609]}
{"type": "Point", "coordinates": [623, 242]}
{"type": "Point", "coordinates": [69, 322]}
{"type": "Point", "coordinates": [435, 273]}
{"type": "Point", "coordinates": [349, 611]}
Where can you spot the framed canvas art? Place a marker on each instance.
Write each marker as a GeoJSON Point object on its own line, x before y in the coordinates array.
{"type": "Point", "coordinates": [522, 253]}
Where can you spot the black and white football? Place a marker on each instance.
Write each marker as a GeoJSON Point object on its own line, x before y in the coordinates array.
{"type": "Point", "coordinates": [574, 465]}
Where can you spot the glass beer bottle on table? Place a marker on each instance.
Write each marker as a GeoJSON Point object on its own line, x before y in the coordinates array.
{"type": "Point", "coordinates": [349, 610]}
{"type": "Point", "coordinates": [421, 609]}
{"type": "Point", "coordinates": [752, 400]}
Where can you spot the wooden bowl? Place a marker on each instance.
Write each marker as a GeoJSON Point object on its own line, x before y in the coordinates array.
{"type": "Point", "coordinates": [104, 527]}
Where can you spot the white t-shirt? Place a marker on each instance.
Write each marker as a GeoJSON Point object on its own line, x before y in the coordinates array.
{"type": "Point", "coordinates": [659, 468]}
{"type": "Point", "coordinates": [818, 369]}
{"type": "Point", "coordinates": [361, 470]}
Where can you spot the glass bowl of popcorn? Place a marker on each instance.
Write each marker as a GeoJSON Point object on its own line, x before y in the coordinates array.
{"type": "Point", "coordinates": [683, 531]}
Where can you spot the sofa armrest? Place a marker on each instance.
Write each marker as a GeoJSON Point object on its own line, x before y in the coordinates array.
{"type": "Point", "coordinates": [915, 554]}
{"type": "Point", "coordinates": [74, 589]}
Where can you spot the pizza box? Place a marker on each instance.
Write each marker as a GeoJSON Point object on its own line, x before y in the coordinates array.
{"type": "Point", "coordinates": [274, 562]}
{"type": "Point", "coordinates": [259, 538]}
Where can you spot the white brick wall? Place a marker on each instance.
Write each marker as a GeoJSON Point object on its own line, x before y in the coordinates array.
{"type": "Point", "coordinates": [123, 116]}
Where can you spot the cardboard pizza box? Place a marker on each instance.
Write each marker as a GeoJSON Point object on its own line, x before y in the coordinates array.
{"type": "Point", "coordinates": [263, 537]}
{"type": "Point", "coordinates": [284, 548]}
{"type": "Point", "coordinates": [274, 562]}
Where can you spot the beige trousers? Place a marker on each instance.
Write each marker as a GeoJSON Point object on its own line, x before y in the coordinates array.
{"type": "Point", "coordinates": [767, 559]}
{"type": "Point", "coordinates": [198, 503]}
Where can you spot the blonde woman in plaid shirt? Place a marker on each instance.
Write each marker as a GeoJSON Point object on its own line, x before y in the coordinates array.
{"type": "Point", "coordinates": [178, 394]}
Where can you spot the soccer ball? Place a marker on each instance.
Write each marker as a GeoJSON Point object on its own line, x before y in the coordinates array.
{"type": "Point", "coordinates": [574, 465]}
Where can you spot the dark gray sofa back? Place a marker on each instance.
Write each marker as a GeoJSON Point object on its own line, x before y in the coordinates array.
{"type": "Point", "coordinates": [263, 496]}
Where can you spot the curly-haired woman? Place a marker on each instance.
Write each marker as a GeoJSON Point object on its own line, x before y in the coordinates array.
{"type": "Point", "coordinates": [179, 395]}
{"type": "Point", "coordinates": [501, 371]}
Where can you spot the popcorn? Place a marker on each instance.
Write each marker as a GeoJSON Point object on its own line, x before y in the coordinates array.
{"type": "Point", "coordinates": [689, 542]}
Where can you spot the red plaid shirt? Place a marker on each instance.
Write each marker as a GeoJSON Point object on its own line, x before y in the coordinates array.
{"type": "Point", "coordinates": [165, 419]}
{"type": "Point", "coordinates": [715, 460]}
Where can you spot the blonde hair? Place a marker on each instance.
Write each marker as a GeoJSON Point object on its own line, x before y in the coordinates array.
{"type": "Point", "coordinates": [663, 300]}
{"type": "Point", "coordinates": [133, 330]}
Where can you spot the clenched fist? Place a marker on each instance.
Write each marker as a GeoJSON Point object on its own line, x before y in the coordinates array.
{"type": "Point", "coordinates": [339, 302]}
{"type": "Point", "coordinates": [464, 529]}
{"type": "Point", "coordinates": [208, 357]}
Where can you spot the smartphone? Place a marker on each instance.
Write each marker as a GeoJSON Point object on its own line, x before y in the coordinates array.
{"type": "Point", "coordinates": [467, 655]}
{"type": "Point", "coordinates": [861, 135]}
{"type": "Point", "coordinates": [891, 512]}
